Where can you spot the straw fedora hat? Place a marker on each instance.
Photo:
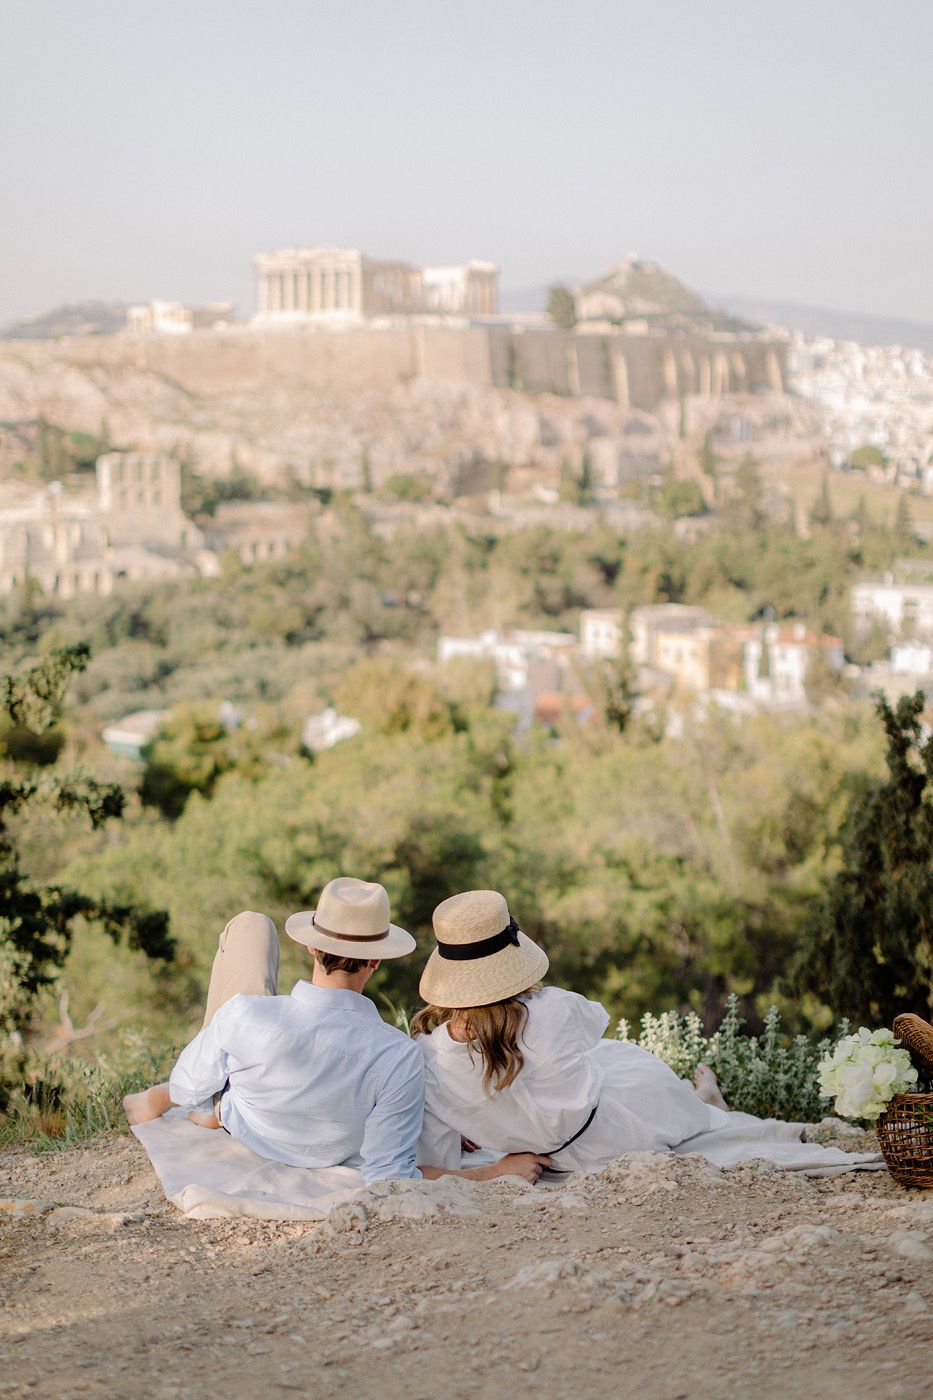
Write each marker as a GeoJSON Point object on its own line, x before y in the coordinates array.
{"type": "Point", "coordinates": [351, 921]}
{"type": "Point", "coordinates": [481, 956]}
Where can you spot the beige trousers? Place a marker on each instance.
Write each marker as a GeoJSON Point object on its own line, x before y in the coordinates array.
{"type": "Point", "coordinates": [247, 960]}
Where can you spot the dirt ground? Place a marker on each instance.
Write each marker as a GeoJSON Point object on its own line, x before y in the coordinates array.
{"type": "Point", "coordinates": [661, 1278]}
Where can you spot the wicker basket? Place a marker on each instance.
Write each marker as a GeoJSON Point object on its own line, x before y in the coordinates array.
{"type": "Point", "coordinates": [905, 1135]}
{"type": "Point", "coordinates": [916, 1036]}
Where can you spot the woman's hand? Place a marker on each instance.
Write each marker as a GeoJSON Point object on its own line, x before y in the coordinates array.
{"type": "Point", "coordinates": [528, 1165]}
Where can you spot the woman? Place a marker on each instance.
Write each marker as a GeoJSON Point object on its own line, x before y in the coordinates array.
{"type": "Point", "coordinates": [518, 1067]}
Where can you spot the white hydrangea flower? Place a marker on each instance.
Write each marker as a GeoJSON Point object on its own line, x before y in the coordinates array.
{"type": "Point", "coordinates": [864, 1071]}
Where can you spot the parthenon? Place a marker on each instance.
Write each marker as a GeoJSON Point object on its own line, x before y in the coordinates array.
{"type": "Point", "coordinates": [341, 285]}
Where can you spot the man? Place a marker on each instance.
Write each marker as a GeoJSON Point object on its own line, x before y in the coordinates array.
{"type": "Point", "coordinates": [317, 1078]}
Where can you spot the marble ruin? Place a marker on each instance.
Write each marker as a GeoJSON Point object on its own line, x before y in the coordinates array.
{"type": "Point", "coordinates": [130, 529]}
{"type": "Point", "coordinates": [333, 286]}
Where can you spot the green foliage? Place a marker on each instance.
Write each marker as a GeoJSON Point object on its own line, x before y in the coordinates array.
{"type": "Point", "coordinates": [391, 699]}
{"type": "Point", "coordinates": [58, 1101]}
{"type": "Point", "coordinates": [614, 691]}
{"type": "Point", "coordinates": [405, 486]}
{"type": "Point", "coordinates": [85, 448]}
{"type": "Point", "coordinates": [561, 306]}
{"type": "Point", "coordinates": [655, 871]}
{"type": "Point", "coordinates": [677, 498]}
{"type": "Point", "coordinates": [34, 698]}
{"type": "Point", "coordinates": [201, 495]}
{"type": "Point", "coordinates": [576, 487]}
{"type": "Point", "coordinates": [867, 948]}
{"type": "Point", "coordinates": [903, 528]}
{"type": "Point", "coordinates": [742, 509]}
{"type": "Point", "coordinates": [188, 754]}
{"type": "Point", "coordinates": [59, 453]}
{"type": "Point", "coordinates": [37, 919]}
{"type": "Point", "coordinates": [821, 513]}
{"type": "Point", "coordinates": [771, 1075]}
{"type": "Point", "coordinates": [867, 456]}
{"type": "Point", "coordinates": [708, 461]}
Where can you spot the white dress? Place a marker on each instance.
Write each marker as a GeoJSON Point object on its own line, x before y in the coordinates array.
{"type": "Point", "coordinates": [641, 1105]}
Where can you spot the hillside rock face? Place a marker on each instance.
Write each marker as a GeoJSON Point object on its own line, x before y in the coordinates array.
{"type": "Point", "coordinates": [461, 437]}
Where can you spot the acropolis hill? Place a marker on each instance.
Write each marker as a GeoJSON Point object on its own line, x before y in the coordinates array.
{"type": "Point", "coordinates": [634, 370]}
{"type": "Point", "coordinates": [343, 403]}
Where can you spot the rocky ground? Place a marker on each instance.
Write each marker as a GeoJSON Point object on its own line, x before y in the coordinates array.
{"type": "Point", "coordinates": [662, 1277]}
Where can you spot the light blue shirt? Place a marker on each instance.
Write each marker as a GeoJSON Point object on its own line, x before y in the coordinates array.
{"type": "Point", "coordinates": [316, 1079]}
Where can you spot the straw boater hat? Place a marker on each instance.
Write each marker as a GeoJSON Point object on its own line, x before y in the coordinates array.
{"type": "Point", "coordinates": [481, 956]}
{"type": "Point", "coordinates": [351, 921]}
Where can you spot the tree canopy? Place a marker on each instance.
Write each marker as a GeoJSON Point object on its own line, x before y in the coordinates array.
{"type": "Point", "coordinates": [867, 949]}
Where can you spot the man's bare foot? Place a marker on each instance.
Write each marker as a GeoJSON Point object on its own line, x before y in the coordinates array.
{"type": "Point", "coordinates": [707, 1087]}
{"type": "Point", "coordinates": [151, 1103]}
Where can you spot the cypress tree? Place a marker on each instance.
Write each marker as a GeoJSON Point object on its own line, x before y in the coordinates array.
{"type": "Point", "coordinates": [867, 950]}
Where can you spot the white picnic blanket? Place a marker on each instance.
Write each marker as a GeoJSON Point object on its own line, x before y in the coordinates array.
{"type": "Point", "coordinates": [209, 1176]}
{"type": "Point", "coordinates": [768, 1139]}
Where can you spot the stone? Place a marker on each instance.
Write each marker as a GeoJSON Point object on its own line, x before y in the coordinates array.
{"type": "Point", "coordinates": [614, 1307]}
{"type": "Point", "coordinates": [352, 1216]}
{"type": "Point", "coordinates": [15, 1207]}
{"type": "Point", "coordinates": [63, 1215]}
{"type": "Point", "coordinates": [545, 1273]}
{"type": "Point", "coordinates": [910, 1244]}
{"type": "Point", "coordinates": [569, 1201]}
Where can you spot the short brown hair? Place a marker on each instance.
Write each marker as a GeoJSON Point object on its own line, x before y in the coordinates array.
{"type": "Point", "coordinates": [332, 962]}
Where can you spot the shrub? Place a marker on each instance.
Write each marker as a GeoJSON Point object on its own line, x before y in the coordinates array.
{"type": "Point", "coordinates": [59, 1101]}
{"type": "Point", "coordinates": [772, 1075]}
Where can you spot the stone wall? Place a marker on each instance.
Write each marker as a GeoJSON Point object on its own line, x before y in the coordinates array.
{"type": "Point", "coordinates": [635, 371]}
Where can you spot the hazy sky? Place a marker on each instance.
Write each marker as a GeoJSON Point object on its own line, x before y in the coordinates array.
{"type": "Point", "coordinates": [151, 147]}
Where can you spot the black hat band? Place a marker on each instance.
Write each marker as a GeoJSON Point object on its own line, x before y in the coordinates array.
{"type": "Point", "coordinates": [466, 952]}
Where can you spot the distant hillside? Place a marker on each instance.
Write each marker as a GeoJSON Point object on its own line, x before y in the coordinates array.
{"type": "Point", "coordinates": [633, 289]}
{"type": "Point", "coordinates": [640, 288]}
{"type": "Point", "coordinates": [822, 320]}
{"type": "Point", "coordinates": [81, 318]}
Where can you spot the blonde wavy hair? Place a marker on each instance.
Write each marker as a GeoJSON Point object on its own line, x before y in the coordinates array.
{"type": "Point", "coordinates": [494, 1031]}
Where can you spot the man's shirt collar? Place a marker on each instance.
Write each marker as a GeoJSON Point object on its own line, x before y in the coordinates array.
{"type": "Point", "coordinates": [337, 997]}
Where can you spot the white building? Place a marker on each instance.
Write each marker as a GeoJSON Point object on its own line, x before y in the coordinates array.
{"type": "Point", "coordinates": [652, 625]}
{"type": "Point", "coordinates": [778, 660]}
{"type": "Point", "coordinates": [130, 735]}
{"type": "Point", "coordinates": [904, 608]}
{"type": "Point", "coordinates": [913, 658]}
{"type": "Point", "coordinates": [601, 632]}
{"type": "Point", "coordinates": [513, 652]}
{"type": "Point", "coordinates": [159, 318]}
{"type": "Point", "coordinates": [172, 318]}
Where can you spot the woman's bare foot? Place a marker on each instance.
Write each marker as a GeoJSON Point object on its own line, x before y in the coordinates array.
{"type": "Point", "coordinates": [707, 1087]}
{"type": "Point", "coordinates": [204, 1120]}
{"type": "Point", "coordinates": [151, 1103]}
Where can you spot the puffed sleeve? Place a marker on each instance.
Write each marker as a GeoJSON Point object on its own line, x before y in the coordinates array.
{"type": "Point", "coordinates": [560, 1083]}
